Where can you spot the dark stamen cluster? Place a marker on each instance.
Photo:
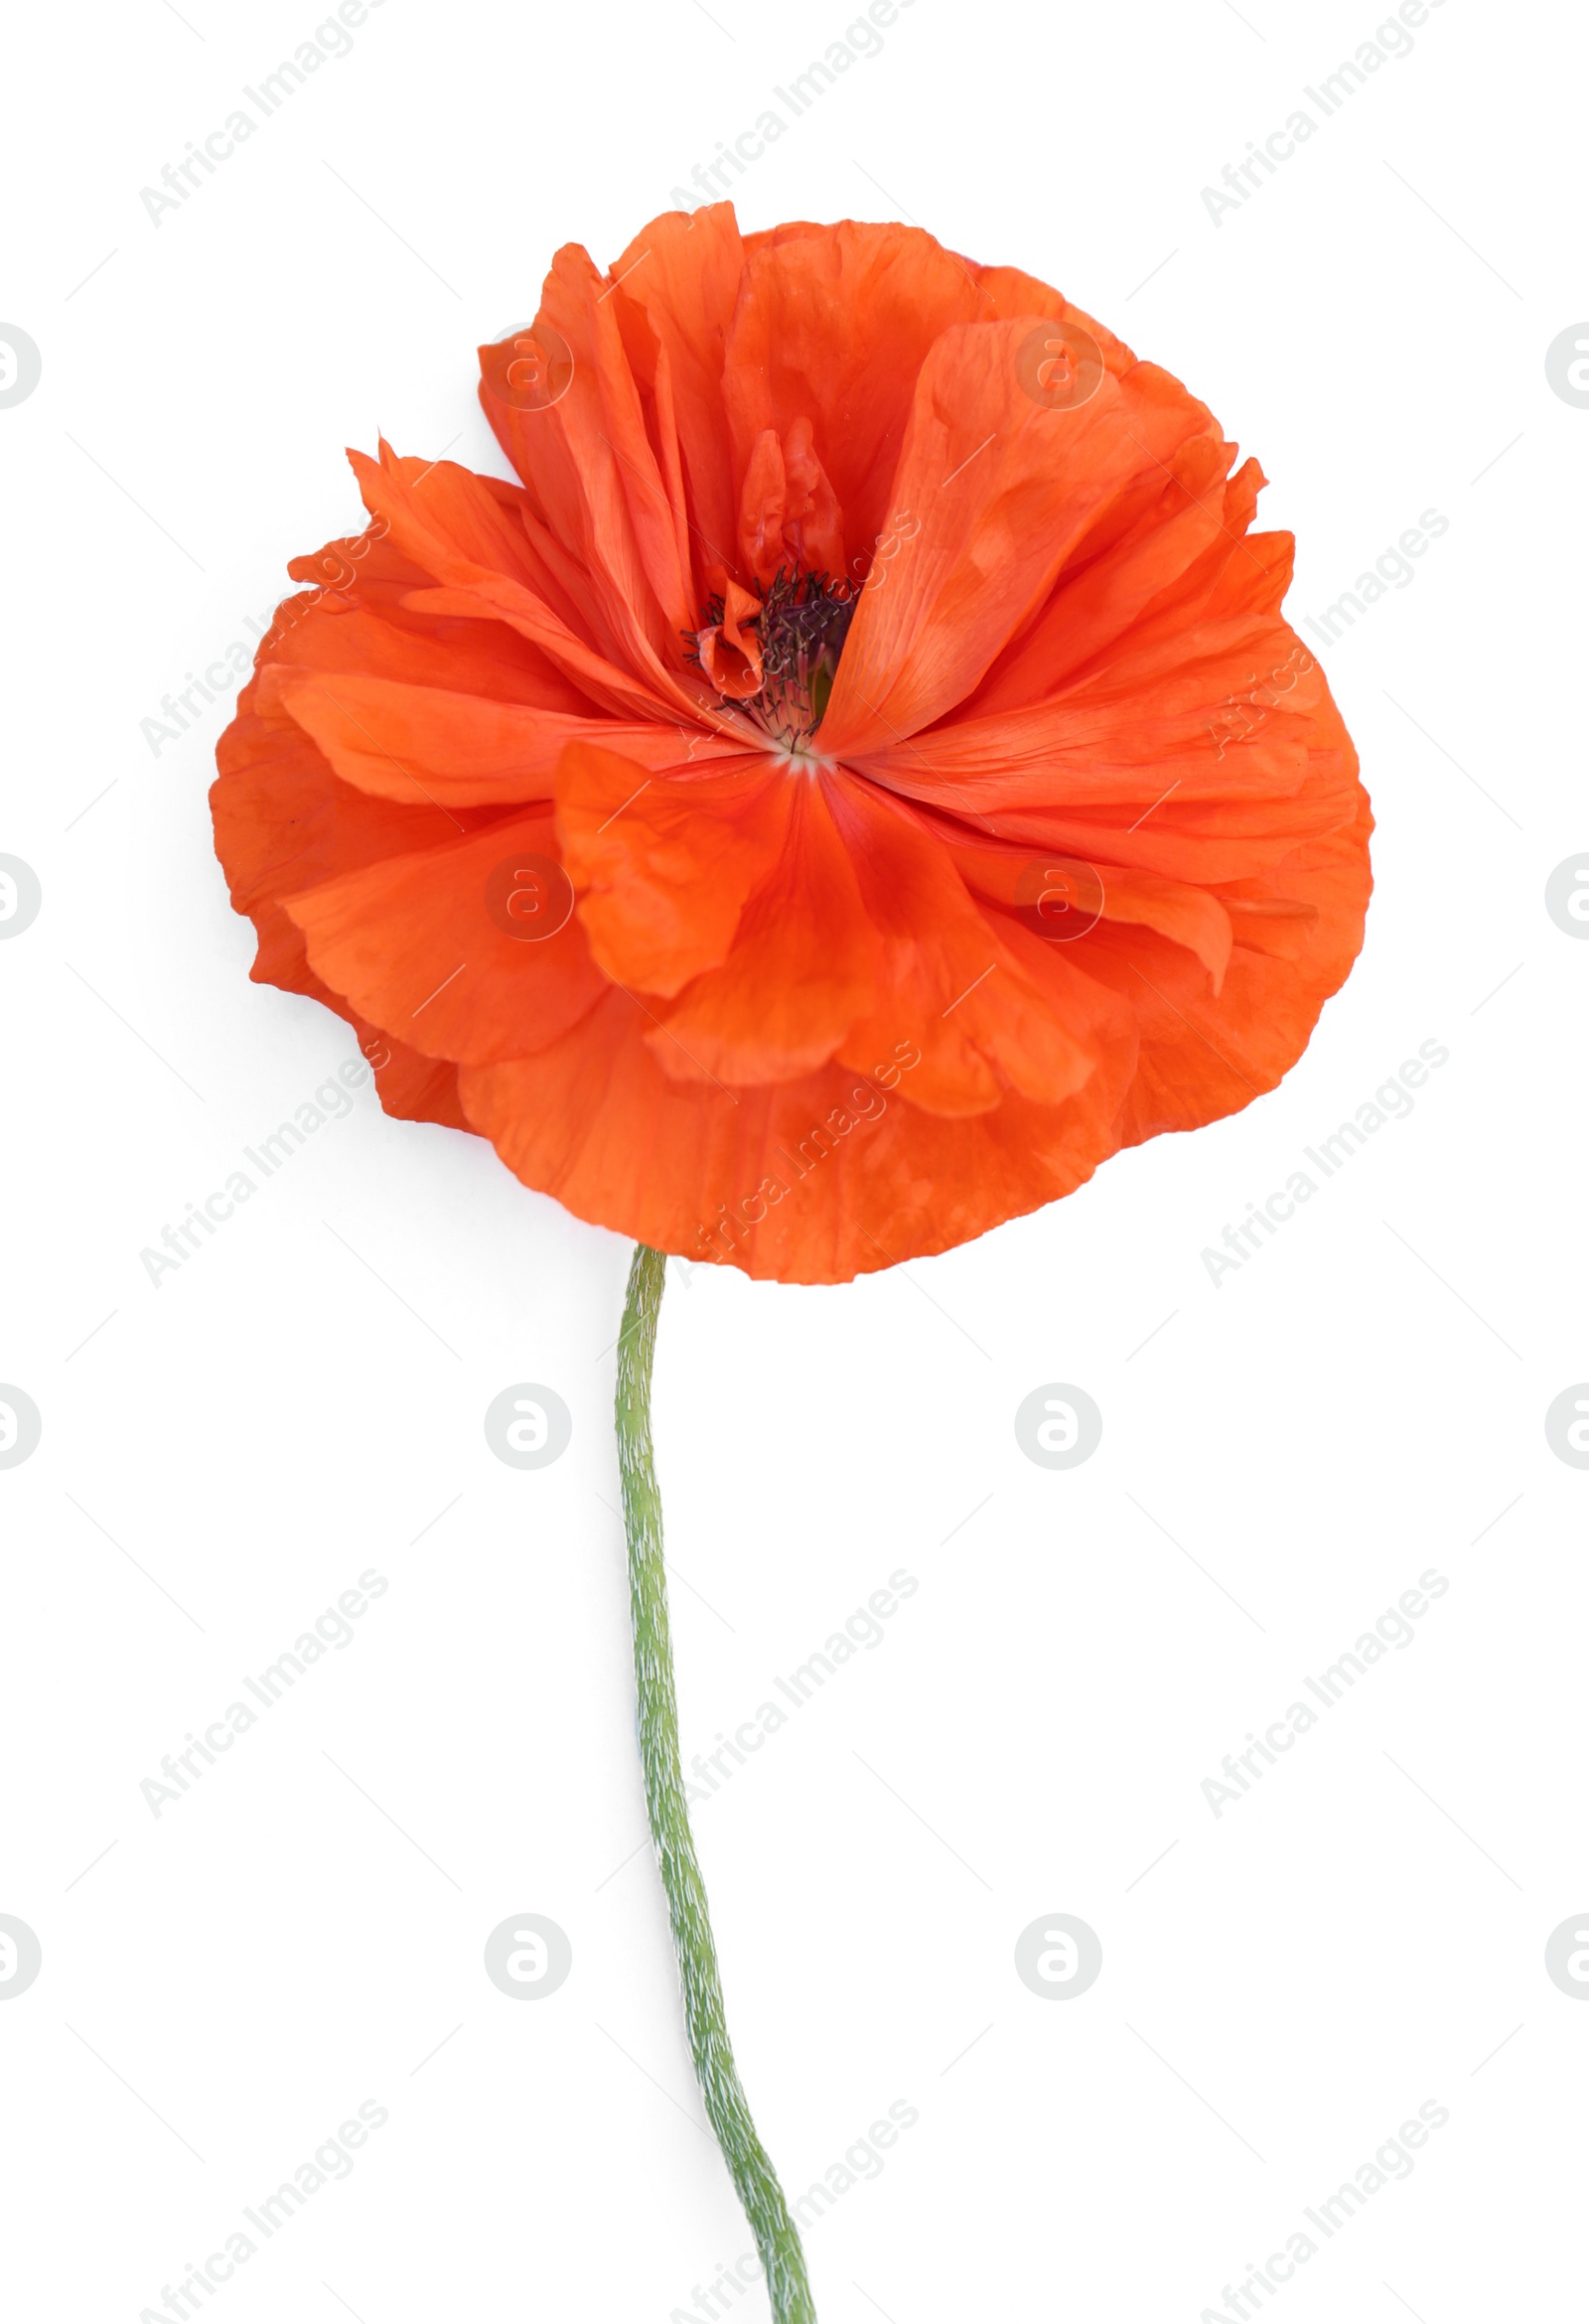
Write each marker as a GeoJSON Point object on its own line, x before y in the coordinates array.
{"type": "Point", "coordinates": [804, 622]}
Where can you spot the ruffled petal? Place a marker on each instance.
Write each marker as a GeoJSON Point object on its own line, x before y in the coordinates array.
{"type": "Point", "coordinates": [439, 946]}
{"type": "Point", "coordinates": [409, 743]}
{"type": "Point", "coordinates": [813, 1181]}
{"type": "Point", "coordinates": [582, 447]}
{"type": "Point", "coordinates": [999, 488]}
{"type": "Point", "coordinates": [831, 328]}
{"type": "Point", "coordinates": [662, 864]}
{"type": "Point", "coordinates": [282, 823]}
{"type": "Point", "coordinates": [683, 276]}
{"type": "Point", "coordinates": [440, 532]}
{"type": "Point", "coordinates": [1060, 899]}
{"type": "Point", "coordinates": [800, 972]}
{"type": "Point", "coordinates": [950, 977]}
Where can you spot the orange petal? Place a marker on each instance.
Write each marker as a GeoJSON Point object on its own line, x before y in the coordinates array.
{"type": "Point", "coordinates": [662, 865]}
{"type": "Point", "coordinates": [800, 972]}
{"type": "Point", "coordinates": [1202, 1056]}
{"type": "Point", "coordinates": [1150, 547]}
{"type": "Point", "coordinates": [949, 979]}
{"type": "Point", "coordinates": [683, 274]}
{"type": "Point", "coordinates": [439, 532]}
{"type": "Point", "coordinates": [731, 651]}
{"type": "Point", "coordinates": [741, 610]}
{"type": "Point", "coordinates": [1222, 710]}
{"type": "Point", "coordinates": [426, 944]}
{"type": "Point", "coordinates": [999, 488]}
{"type": "Point", "coordinates": [761, 510]}
{"type": "Point", "coordinates": [369, 627]}
{"type": "Point", "coordinates": [814, 522]}
{"type": "Point", "coordinates": [282, 823]}
{"type": "Point", "coordinates": [579, 441]}
{"type": "Point", "coordinates": [832, 327]}
{"type": "Point", "coordinates": [813, 1181]}
{"type": "Point", "coordinates": [413, 743]}
{"type": "Point", "coordinates": [1057, 899]}
{"type": "Point", "coordinates": [735, 671]}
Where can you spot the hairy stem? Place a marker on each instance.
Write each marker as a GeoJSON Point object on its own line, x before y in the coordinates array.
{"type": "Point", "coordinates": [754, 2178]}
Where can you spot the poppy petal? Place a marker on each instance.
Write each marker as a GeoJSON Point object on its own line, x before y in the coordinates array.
{"type": "Point", "coordinates": [427, 947]}
{"type": "Point", "coordinates": [460, 750]}
{"type": "Point", "coordinates": [831, 330]}
{"type": "Point", "coordinates": [999, 488]}
{"type": "Point", "coordinates": [662, 864]}
{"type": "Point", "coordinates": [683, 276]}
{"type": "Point", "coordinates": [813, 1181]}
{"type": "Point", "coordinates": [441, 537]}
{"type": "Point", "coordinates": [800, 970]}
{"type": "Point", "coordinates": [949, 979]}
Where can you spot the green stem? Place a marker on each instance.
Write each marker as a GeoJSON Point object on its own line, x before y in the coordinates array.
{"type": "Point", "coordinates": [754, 2178]}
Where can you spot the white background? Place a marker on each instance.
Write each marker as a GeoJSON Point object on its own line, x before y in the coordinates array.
{"type": "Point", "coordinates": [1283, 1453]}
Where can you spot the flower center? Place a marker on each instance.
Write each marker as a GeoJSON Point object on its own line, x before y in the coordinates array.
{"type": "Point", "coordinates": [777, 660]}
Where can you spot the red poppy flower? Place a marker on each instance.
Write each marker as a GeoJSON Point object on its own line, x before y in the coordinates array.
{"type": "Point", "coordinates": [854, 781]}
